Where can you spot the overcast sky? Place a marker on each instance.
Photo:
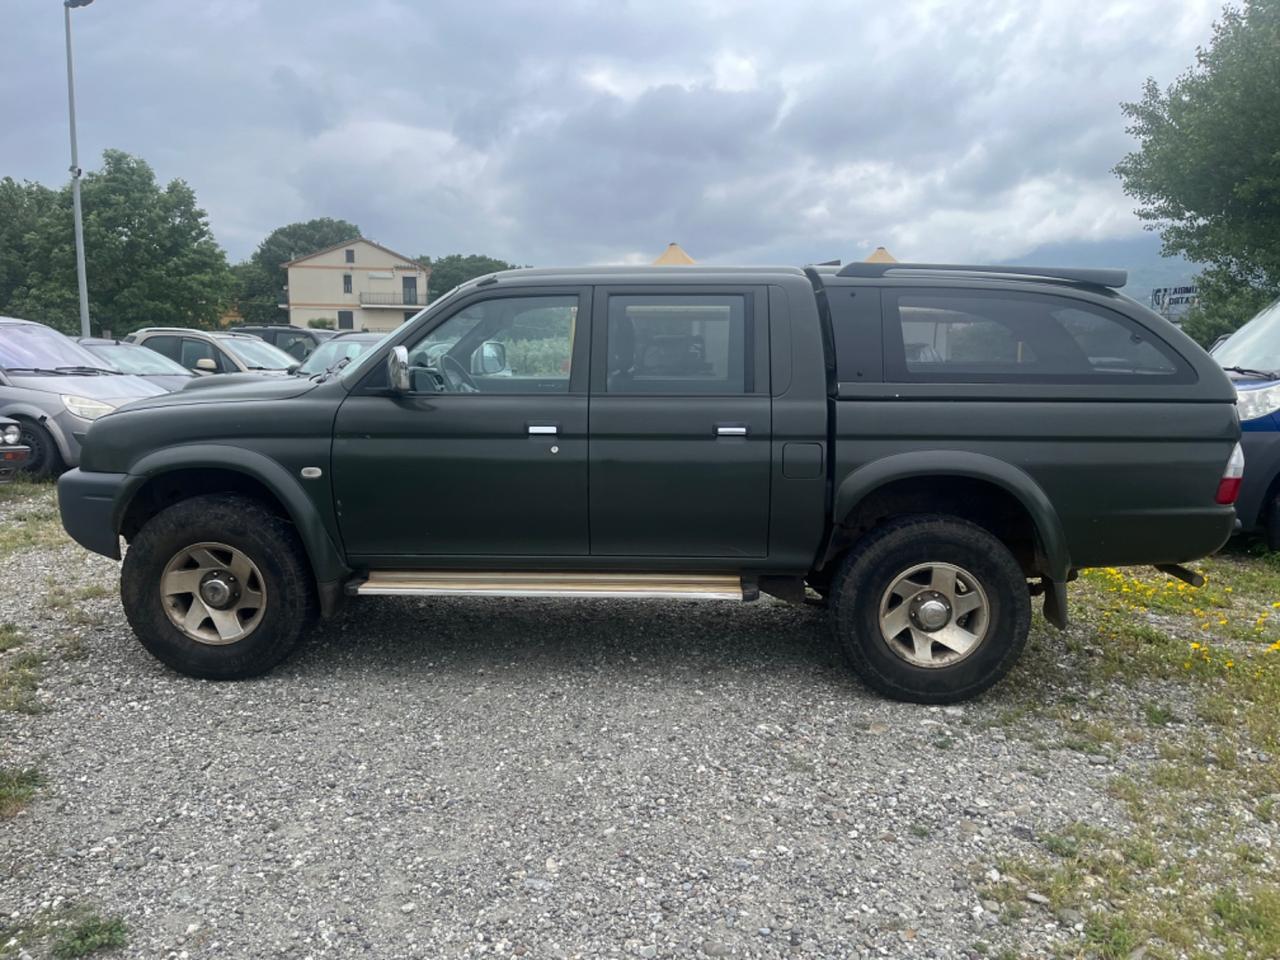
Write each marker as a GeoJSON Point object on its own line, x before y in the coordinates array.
{"type": "Point", "coordinates": [575, 132]}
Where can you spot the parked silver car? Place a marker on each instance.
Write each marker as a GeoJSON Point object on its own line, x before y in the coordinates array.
{"type": "Point", "coordinates": [55, 389]}
{"type": "Point", "coordinates": [141, 362]}
{"type": "Point", "coordinates": [12, 453]}
{"type": "Point", "coordinates": [207, 352]}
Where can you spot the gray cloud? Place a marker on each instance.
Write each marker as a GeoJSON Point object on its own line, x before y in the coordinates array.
{"type": "Point", "coordinates": [585, 132]}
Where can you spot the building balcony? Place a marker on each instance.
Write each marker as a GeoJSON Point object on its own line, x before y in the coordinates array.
{"type": "Point", "coordinates": [398, 300]}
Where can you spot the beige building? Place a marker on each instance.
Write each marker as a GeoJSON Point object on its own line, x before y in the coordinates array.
{"type": "Point", "coordinates": [358, 285]}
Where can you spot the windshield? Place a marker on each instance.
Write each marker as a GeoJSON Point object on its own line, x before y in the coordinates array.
{"type": "Point", "coordinates": [34, 346]}
{"type": "Point", "coordinates": [137, 360]}
{"type": "Point", "coordinates": [257, 354]}
{"type": "Point", "coordinates": [331, 351]}
{"type": "Point", "coordinates": [1256, 345]}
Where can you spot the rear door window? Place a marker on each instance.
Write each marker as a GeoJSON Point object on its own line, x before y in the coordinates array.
{"type": "Point", "coordinates": [678, 344]}
{"type": "Point", "coordinates": [195, 350]}
{"type": "Point", "coordinates": [170, 347]}
{"type": "Point", "coordinates": [972, 336]}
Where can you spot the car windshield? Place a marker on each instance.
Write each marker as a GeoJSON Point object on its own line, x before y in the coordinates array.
{"type": "Point", "coordinates": [138, 360]}
{"type": "Point", "coordinates": [332, 351]}
{"type": "Point", "coordinates": [33, 346]}
{"type": "Point", "coordinates": [1256, 345]}
{"type": "Point", "coordinates": [257, 354]}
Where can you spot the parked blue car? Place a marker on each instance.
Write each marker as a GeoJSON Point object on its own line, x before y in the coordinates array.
{"type": "Point", "coordinates": [1251, 357]}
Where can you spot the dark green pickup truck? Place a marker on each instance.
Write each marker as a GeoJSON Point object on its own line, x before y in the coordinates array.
{"type": "Point", "coordinates": [923, 448]}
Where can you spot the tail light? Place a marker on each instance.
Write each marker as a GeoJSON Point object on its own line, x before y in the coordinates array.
{"type": "Point", "coordinates": [1229, 485]}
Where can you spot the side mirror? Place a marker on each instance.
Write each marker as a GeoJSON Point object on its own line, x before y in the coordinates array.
{"type": "Point", "coordinates": [398, 369]}
{"type": "Point", "coordinates": [207, 365]}
{"type": "Point", "coordinates": [490, 358]}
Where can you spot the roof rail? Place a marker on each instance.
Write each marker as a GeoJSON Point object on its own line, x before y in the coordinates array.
{"type": "Point", "coordinates": [1094, 277]}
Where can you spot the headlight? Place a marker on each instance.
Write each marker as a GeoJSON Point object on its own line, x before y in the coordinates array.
{"type": "Point", "coordinates": [12, 435]}
{"type": "Point", "coordinates": [1253, 404]}
{"type": "Point", "coordinates": [86, 409]}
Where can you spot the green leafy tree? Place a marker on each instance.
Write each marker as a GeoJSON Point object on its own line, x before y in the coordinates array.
{"type": "Point", "coordinates": [1207, 170]}
{"type": "Point", "coordinates": [150, 256]}
{"type": "Point", "coordinates": [447, 272]}
{"type": "Point", "coordinates": [261, 279]}
{"type": "Point", "coordinates": [23, 206]}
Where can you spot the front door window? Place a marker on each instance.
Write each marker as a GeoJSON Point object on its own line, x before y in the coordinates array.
{"type": "Point", "coordinates": [505, 345]}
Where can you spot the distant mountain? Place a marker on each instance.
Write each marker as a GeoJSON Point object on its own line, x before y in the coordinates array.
{"type": "Point", "coordinates": [1140, 255]}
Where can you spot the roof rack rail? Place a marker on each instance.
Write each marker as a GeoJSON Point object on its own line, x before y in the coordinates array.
{"type": "Point", "coordinates": [1094, 277]}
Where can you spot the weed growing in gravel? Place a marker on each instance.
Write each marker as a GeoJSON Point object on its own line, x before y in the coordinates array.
{"type": "Point", "coordinates": [68, 933]}
{"type": "Point", "coordinates": [89, 935]}
{"type": "Point", "coordinates": [17, 786]}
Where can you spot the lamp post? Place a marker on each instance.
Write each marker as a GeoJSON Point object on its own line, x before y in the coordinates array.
{"type": "Point", "coordinates": [75, 173]}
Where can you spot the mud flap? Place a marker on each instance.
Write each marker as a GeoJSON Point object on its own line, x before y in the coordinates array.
{"type": "Point", "coordinates": [1055, 602]}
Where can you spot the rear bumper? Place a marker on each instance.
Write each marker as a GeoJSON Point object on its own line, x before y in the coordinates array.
{"type": "Point", "coordinates": [11, 459]}
{"type": "Point", "coordinates": [87, 502]}
{"type": "Point", "coordinates": [1261, 466]}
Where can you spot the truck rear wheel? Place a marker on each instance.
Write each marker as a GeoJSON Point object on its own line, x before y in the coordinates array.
{"type": "Point", "coordinates": [218, 587]}
{"type": "Point", "coordinates": [931, 609]}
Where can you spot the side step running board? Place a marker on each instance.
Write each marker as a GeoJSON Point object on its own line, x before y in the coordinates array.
{"type": "Point", "coordinates": [488, 583]}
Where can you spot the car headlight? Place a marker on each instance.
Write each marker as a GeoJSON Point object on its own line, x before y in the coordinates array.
{"type": "Point", "coordinates": [85, 408]}
{"type": "Point", "coordinates": [12, 435]}
{"type": "Point", "coordinates": [1252, 404]}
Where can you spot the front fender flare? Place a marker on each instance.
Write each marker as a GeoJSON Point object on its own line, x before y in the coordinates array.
{"type": "Point", "coordinates": [923, 463]}
{"type": "Point", "coordinates": [326, 560]}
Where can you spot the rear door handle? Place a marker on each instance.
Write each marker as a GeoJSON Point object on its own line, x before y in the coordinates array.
{"type": "Point", "coordinates": [543, 429]}
{"type": "Point", "coordinates": [730, 430]}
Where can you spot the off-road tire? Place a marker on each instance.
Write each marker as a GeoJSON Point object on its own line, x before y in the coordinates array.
{"type": "Point", "coordinates": [879, 557]}
{"type": "Point", "coordinates": [43, 461]}
{"type": "Point", "coordinates": [268, 540]}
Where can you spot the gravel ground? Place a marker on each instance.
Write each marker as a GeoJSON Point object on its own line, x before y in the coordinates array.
{"type": "Point", "coordinates": [525, 778]}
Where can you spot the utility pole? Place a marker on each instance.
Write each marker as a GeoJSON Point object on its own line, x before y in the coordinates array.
{"type": "Point", "coordinates": [75, 173]}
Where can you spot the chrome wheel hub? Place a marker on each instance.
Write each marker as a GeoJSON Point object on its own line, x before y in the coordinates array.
{"type": "Point", "coordinates": [213, 593]}
{"type": "Point", "coordinates": [934, 614]}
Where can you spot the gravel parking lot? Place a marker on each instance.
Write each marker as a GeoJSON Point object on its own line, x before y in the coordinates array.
{"type": "Point", "coordinates": [606, 778]}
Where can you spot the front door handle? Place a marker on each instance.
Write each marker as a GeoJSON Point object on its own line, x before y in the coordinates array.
{"type": "Point", "coordinates": [730, 430]}
{"type": "Point", "coordinates": [543, 429]}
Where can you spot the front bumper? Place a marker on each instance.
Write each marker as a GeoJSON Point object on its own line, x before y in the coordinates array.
{"type": "Point", "coordinates": [1261, 467]}
{"type": "Point", "coordinates": [88, 504]}
{"type": "Point", "coordinates": [11, 460]}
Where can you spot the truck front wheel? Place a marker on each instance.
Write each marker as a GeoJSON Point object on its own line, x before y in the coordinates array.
{"type": "Point", "coordinates": [218, 587]}
{"type": "Point", "coordinates": [931, 609]}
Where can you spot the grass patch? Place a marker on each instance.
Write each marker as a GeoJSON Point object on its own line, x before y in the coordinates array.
{"type": "Point", "coordinates": [1203, 665]}
{"type": "Point", "coordinates": [10, 637]}
{"type": "Point", "coordinates": [32, 522]}
{"type": "Point", "coordinates": [17, 786]}
{"type": "Point", "coordinates": [19, 681]}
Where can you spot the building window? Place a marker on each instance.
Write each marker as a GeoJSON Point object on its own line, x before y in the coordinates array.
{"type": "Point", "coordinates": [346, 283]}
{"type": "Point", "coordinates": [345, 319]}
{"type": "Point", "coordinates": [351, 256]}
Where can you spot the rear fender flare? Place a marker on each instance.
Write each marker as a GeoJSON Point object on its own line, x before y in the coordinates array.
{"type": "Point", "coordinates": [870, 477]}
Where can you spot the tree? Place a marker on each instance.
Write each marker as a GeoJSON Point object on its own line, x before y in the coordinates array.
{"type": "Point", "coordinates": [261, 279]}
{"type": "Point", "coordinates": [456, 268]}
{"type": "Point", "coordinates": [1207, 170]}
{"type": "Point", "coordinates": [150, 256]}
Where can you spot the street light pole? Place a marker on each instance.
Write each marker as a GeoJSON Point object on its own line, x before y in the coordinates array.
{"type": "Point", "coordinates": [75, 173]}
